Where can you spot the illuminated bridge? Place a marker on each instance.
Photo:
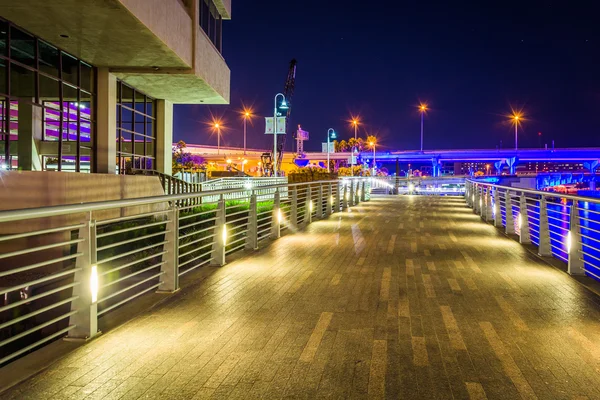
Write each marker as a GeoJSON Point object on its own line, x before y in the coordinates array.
{"type": "Point", "coordinates": [499, 157]}
{"type": "Point", "coordinates": [307, 290]}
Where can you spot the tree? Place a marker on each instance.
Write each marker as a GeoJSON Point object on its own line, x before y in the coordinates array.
{"type": "Point", "coordinates": [343, 145]}
{"type": "Point", "coordinates": [352, 143]}
{"type": "Point", "coordinates": [360, 144]}
{"type": "Point", "coordinates": [184, 160]}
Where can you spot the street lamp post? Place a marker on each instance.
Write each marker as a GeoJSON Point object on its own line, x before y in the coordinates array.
{"type": "Point", "coordinates": [516, 118]}
{"type": "Point", "coordinates": [246, 116]}
{"type": "Point", "coordinates": [374, 164]}
{"type": "Point", "coordinates": [330, 135]}
{"type": "Point", "coordinates": [218, 127]}
{"type": "Point", "coordinates": [422, 109]}
{"type": "Point", "coordinates": [283, 106]}
{"type": "Point", "coordinates": [355, 123]}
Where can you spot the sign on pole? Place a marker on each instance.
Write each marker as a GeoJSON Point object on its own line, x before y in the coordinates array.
{"type": "Point", "coordinates": [270, 126]}
{"type": "Point", "coordinates": [331, 147]}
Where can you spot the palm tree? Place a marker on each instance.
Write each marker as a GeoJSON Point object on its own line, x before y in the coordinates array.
{"type": "Point", "coordinates": [352, 143]}
{"type": "Point", "coordinates": [342, 146]}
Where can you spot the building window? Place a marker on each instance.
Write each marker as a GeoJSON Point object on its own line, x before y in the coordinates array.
{"type": "Point", "coordinates": [47, 94]}
{"type": "Point", "coordinates": [211, 22]}
{"type": "Point", "coordinates": [136, 130]}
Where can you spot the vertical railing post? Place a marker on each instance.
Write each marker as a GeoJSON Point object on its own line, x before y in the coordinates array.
{"type": "Point", "coordinates": [345, 197]}
{"type": "Point", "coordinates": [308, 208]}
{"type": "Point", "coordinates": [497, 208]}
{"type": "Point", "coordinates": [363, 196]}
{"type": "Point", "coordinates": [294, 209]}
{"type": "Point", "coordinates": [252, 237]}
{"type": "Point", "coordinates": [544, 248]}
{"type": "Point", "coordinates": [476, 199]}
{"type": "Point", "coordinates": [329, 200]}
{"type": "Point", "coordinates": [170, 266]}
{"type": "Point", "coordinates": [524, 228]}
{"type": "Point", "coordinates": [319, 204]}
{"type": "Point", "coordinates": [276, 217]}
{"type": "Point", "coordinates": [351, 194]}
{"type": "Point", "coordinates": [338, 197]}
{"type": "Point", "coordinates": [85, 305]}
{"type": "Point", "coordinates": [574, 242]}
{"type": "Point", "coordinates": [220, 239]}
{"type": "Point", "coordinates": [489, 205]}
{"type": "Point", "coordinates": [510, 219]}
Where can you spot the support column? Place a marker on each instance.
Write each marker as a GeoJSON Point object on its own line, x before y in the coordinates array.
{"type": "Point", "coordinates": [220, 239]}
{"type": "Point", "coordinates": [510, 219]}
{"type": "Point", "coordinates": [544, 248]}
{"type": "Point", "coordinates": [328, 200]}
{"type": "Point", "coordinates": [170, 267]}
{"type": "Point", "coordinates": [524, 232]}
{"type": "Point", "coordinates": [164, 136]}
{"type": "Point", "coordinates": [437, 166]}
{"type": "Point", "coordinates": [30, 135]}
{"type": "Point", "coordinates": [252, 237]}
{"type": "Point", "coordinates": [84, 308]}
{"type": "Point", "coordinates": [489, 205]}
{"type": "Point", "coordinates": [497, 211]}
{"type": "Point", "coordinates": [105, 152]}
{"type": "Point", "coordinates": [574, 247]}
{"type": "Point", "coordinates": [512, 164]}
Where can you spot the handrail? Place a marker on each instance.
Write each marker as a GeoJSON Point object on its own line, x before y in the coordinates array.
{"type": "Point", "coordinates": [537, 192]}
{"type": "Point", "coordinates": [97, 266]}
{"type": "Point", "coordinates": [562, 230]}
{"type": "Point", "coordinates": [52, 211]}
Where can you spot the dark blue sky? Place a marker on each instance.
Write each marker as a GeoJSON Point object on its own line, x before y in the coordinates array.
{"type": "Point", "coordinates": [470, 63]}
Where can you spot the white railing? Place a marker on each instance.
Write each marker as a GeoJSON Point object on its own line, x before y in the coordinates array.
{"type": "Point", "coordinates": [246, 183]}
{"type": "Point", "coordinates": [427, 185]}
{"type": "Point", "coordinates": [562, 226]}
{"type": "Point", "coordinates": [63, 267]}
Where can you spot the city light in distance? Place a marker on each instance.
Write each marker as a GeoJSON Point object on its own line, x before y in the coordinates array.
{"type": "Point", "coordinates": [423, 107]}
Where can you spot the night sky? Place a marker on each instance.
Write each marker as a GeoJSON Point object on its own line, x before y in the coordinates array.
{"type": "Point", "coordinates": [470, 63]}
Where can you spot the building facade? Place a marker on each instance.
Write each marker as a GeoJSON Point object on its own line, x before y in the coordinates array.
{"type": "Point", "coordinates": [89, 86]}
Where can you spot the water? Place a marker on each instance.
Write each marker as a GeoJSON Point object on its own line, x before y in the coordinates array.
{"type": "Point", "coordinates": [559, 221]}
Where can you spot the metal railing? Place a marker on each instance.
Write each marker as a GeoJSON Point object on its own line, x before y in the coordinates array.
{"type": "Point", "coordinates": [562, 226]}
{"type": "Point", "coordinates": [426, 185]}
{"type": "Point", "coordinates": [62, 267]}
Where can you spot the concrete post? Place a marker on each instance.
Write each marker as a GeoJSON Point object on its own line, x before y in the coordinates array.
{"type": "Point", "coordinates": [294, 209]}
{"type": "Point", "coordinates": [276, 217]}
{"type": "Point", "coordinates": [476, 199]}
{"type": "Point", "coordinates": [524, 228]}
{"type": "Point", "coordinates": [489, 205]}
{"type": "Point", "coordinates": [497, 209]}
{"type": "Point", "coordinates": [574, 246]}
{"type": "Point", "coordinates": [329, 200]}
{"type": "Point", "coordinates": [351, 196]}
{"type": "Point", "coordinates": [85, 306]}
{"type": "Point", "coordinates": [105, 153]}
{"type": "Point", "coordinates": [308, 207]}
{"type": "Point", "coordinates": [320, 212]}
{"type": "Point", "coordinates": [220, 239]}
{"type": "Point", "coordinates": [363, 195]}
{"type": "Point", "coordinates": [30, 122]}
{"type": "Point", "coordinates": [544, 248]}
{"type": "Point", "coordinates": [252, 238]}
{"type": "Point", "coordinates": [170, 266]}
{"type": "Point", "coordinates": [338, 195]}
{"type": "Point", "coordinates": [510, 219]}
{"type": "Point", "coordinates": [345, 198]}
{"type": "Point", "coordinates": [164, 136]}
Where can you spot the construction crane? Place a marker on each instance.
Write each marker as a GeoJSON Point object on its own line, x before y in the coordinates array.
{"type": "Point", "coordinates": [288, 92]}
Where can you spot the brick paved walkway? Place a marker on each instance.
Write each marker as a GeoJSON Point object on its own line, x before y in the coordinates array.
{"type": "Point", "coordinates": [405, 297]}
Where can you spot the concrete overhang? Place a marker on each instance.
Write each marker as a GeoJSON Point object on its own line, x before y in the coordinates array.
{"type": "Point", "coordinates": [110, 33]}
{"type": "Point", "coordinates": [146, 43]}
{"type": "Point", "coordinates": [224, 7]}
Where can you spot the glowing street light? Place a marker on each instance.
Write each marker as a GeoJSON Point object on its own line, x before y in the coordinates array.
{"type": "Point", "coordinates": [516, 119]}
{"type": "Point", "coordinates": [422, 110]}
{"type": "Point", "coordinates": [217, 126]}
{"type": "Point", "coordinates": [330, 135]}
{"type": "Point", "coordinates": [355, 122]}
{"type": "Point", "coordinates": [247, 114]}
{"type": "Point", "coordinates": [283, 106]}
{"type": "Point", "coordinates": [372, 144]}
